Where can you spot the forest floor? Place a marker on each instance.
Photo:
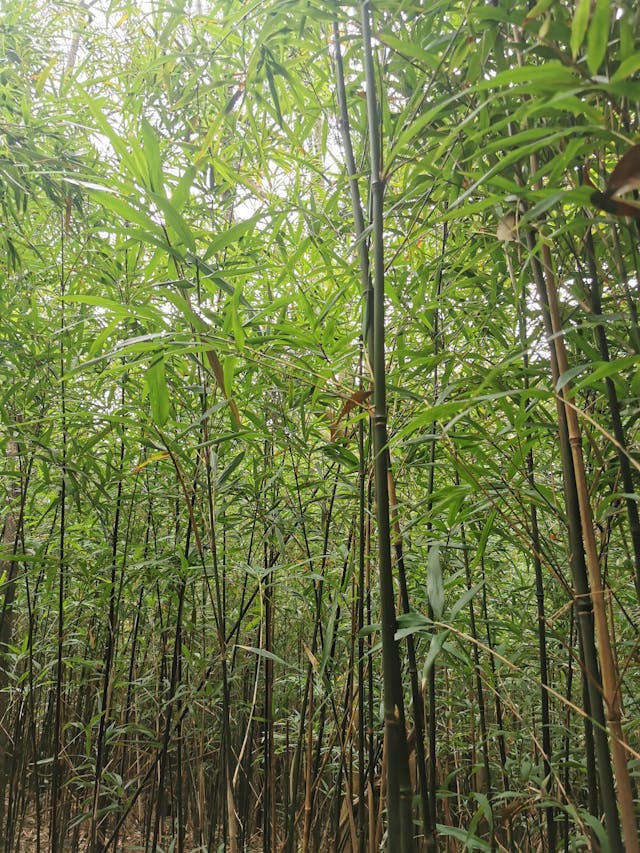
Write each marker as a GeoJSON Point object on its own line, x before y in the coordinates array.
{"type": "Point", "coordinates": [130, 839]}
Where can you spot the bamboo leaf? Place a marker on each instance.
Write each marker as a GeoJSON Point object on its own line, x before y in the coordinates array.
{"type": "Point", "coordinates": [263, 653]}
{"type": "Point", "coordinates": [232, 235]}
{"type": "Point", "coordinates": [411, 623]}
{"type": "Point", "coordinates": [570, 374]}
{"type": "Point", "coordinates": [153, 157]}
{"type": "Point", "coordinates": [598, 36]}
{"type": "Point", "coordinates": [467, 596]}
{"type": "Point", "coordinates": [579, 26]}
{"type": "Point", "coordinates": [175, 221]}
{"type": "Point", "coordinates": [614, 368]}
{"type": "Point", "coordinates": [228, 371]}
{"type": "Point", "coordinates": [435, 581]}
{"type": "Point", "coordinates": [466, 839]}
{"type": "Point", "coordinates": [435, 647]}
{"type": "Point", "coordinates": [158, 392]}
{"type": "Point", "coordinates": [125, 210]}
{"type": "Point", "coordinates": [539, 9]}
{"type": "Point", "coordinates": [215, 277]}
{"type": "Point", "coordinates": [180, 194]}
{"type": "Point", "coordinates": [231, 467]}
{"type": "Point", "coordinates": [627, 68]}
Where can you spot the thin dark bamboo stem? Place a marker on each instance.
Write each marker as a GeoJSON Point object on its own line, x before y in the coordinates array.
{"type": "Point", "coordinates": [135, 638]}
{"type": "Point", "coordinates": [371, 744]}
{"type": "Point", "coordinates": [269, 795]}
{"type": "Point", "coordinates": [31, 601]}
{"type": "Point", "coordinates": [319, 622]}
{"type": "Point", "coordinates": [502, 746]}
{"type": "Point", "coordinates": [537, 563]}
{"type": "Point", "coordinates": [230, 827]}
{"type": "Point", "coordinates": [568, 692]}
{"type": "Point", "coordinates": [365, 723]}
{"type": "Point", "coordinates": [356, 202]}
{"type": "Point", "coordinates": [630, 298]}
{"type": "Point", "coordinates": [57, 770]}
{"type": "Point", "coordinates": [399, 794]}
{"type": "Point", "coordinates": [8, 571]}
{"type": "Point", "coordinates": [582, 595]}
{"type": "Point", "coordinates": [432, 767]}
{"type": "Point", "coordinates": [416, 693]}
{"type": "Point", "coordinates": [482, 712]}
{"type": "Point", "coordinates": [610, 681]}
{"type": "Point", "coordinates": [614, 412]}
{"type": "Point", "coordinates": [360, 602]}
{"type": "Point", "coordinates": [97, 830]}
{"type": "Point", "coordinates": [317, 637]}
{"type": "Point", "coordinates": [542, 653]}
{"type": "Point", "coordinates": [162, 805]}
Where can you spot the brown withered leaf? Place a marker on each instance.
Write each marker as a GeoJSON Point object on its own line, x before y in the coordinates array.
{"type": "Point", "coordinates": [216, 369]}
{"type": "Point", "coordinates": [356, 399]}
{"type": "Point", "coordinates": [626, 175]}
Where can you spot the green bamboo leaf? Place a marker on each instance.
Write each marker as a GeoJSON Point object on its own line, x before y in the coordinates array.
{"type": "Point", "coordinates": [614, 368]}
{"type": "Point", "coordinates": [539, 9]}
{"type": "Point", "coordinates": [125, 210]}
{"type": "Point", "coordinates": [263, 653]}
{"type": "Point", "coordinates": [621, 88]}
{"type": "Point", "coordinates": [236, 321]}
{"type": "Point", "coordinates": [420, 125]}
{"type": "Point", "coordinates": [119, 145]}
{"type": "Point", "coordinates": [482, 812]}
{"type": "Point", "coordinates": [153, 157]}
{"type": "Point", "coordinates": [274, 93]}
{"type": "Point", "coordinates": [180, 194]}
{"type": "Point", "coordinates": [582, 815]}
{"type": "Point", "coordinates": [551, 76]}
{"type": "Point", "coordinates": [627, 36]}
{"type": "Point", "coordinates": [467, 841]}
{"type": "Point", "coordinates": [231, 467]}
{"type": "Point", "coordinates": [435, 581]}
{"type": "Point", "coordinates": [118, 309]}
{"type": "Point", "coordinates": [228, 372]}
{"type": "Point", "coordinates": [175, 221]}
{"type": "Point", "coordinates": [232, 235]}
{"type": "Point", "coordinates": [329, 633]}
{"type": "Point", "coordinates": [464, 599]}
{"type": "Point", "coordinates": [627, 68]}
{"type": "Point", "coordinates": [184, 306]}
{"type": "Point", "coordinates": [158, 392]}
{"type": "Point", "coordinates": [598, 36]}
{"type": "Point", "coordinates": [428, 57]}
{"type": "Point", "coordinates": [412, 623]}
{"type": "Point", "coordinates": [215, 277]}
{"type": "Point", "coordinates": [579, 26]}
{"type": "Point", "coordinates": [569, 374]}
{"type": "Point", "coordinates": [341, 455]}
{"type": "Point", "coordinates": [435, 647]}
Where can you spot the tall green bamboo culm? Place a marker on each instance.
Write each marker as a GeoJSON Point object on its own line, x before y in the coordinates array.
{"type": "Point", "coordinates": [399, 814]}
{"type": "Point", "coordinates": [356, 201]}
{"type": "Point", "coordinates": [57, 770]}
{"type": "Point", "coordinates": [537, 565]}
{"type": "Point", "coordinates": [428, 820]}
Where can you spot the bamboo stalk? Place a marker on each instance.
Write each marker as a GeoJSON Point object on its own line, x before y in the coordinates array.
{"type": "Point", "coordinates": [610, 682]}
{"type": "Point", "coordinates": [399, 794]}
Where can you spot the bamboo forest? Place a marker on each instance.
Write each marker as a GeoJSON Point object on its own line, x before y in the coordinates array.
{"type": "Point", "coordinates": [319, 426]}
